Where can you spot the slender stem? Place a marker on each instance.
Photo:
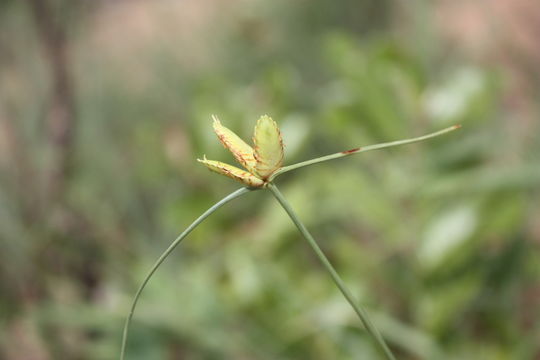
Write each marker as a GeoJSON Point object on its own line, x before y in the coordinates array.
{"type": "Point", "coordinates": [361, 149]}
{"type": "Point", "coordinates": [166, 253]}
{"type": "Point", "coordinates": [362, 314]}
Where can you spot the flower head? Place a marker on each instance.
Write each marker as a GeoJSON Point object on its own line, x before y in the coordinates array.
{"type": "Point", "coordinates": [260, 163]}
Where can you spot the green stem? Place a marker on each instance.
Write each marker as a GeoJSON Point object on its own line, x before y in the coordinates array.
{"type": "Point", "coordinates": [362, 314]}
{"type": "Point", "coordinates": [166, 253]}
{"type": "Point", "coordinates": [360, 150]}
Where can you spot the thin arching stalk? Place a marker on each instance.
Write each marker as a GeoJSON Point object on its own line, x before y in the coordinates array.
{"type": "Point", "coordinates": [360, 150]}
{"type": "Point", "coordinates": [362, 314]}
{"type": "Point", "coordinates": [166, 253]}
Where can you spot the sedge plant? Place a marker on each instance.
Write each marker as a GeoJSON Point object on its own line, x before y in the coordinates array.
{"type": "Point", "coordinates": [263, 163]}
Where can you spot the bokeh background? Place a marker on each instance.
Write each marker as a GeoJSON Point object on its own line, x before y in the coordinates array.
{"type": "Point", "coordinates": [106, 104]}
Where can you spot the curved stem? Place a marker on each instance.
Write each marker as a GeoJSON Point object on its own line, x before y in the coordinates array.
{"type": "Point", "coordinates": [362, 314]}
{"type": "Point", "coordinates": [166, 253]}
{"type": "Point", "coordinates": [361, 149]}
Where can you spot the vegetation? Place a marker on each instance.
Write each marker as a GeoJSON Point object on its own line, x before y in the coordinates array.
{"type": "Point", "coordinates": [104, 107]}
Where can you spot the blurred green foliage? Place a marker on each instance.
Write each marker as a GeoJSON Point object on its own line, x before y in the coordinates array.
{"type": "Point", "coordinates": [439, 240]}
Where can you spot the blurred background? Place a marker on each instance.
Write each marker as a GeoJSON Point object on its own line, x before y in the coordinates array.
{"type": "Point", "coordinates": [106, 104]}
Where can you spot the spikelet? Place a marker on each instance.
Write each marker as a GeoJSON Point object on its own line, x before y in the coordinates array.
{"type": "Point", "coordinates": [233, 172]}
{"type": "Point", "coordinates": [268, 147]}
{"type": "Point", "coordinates": [240, 150]}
